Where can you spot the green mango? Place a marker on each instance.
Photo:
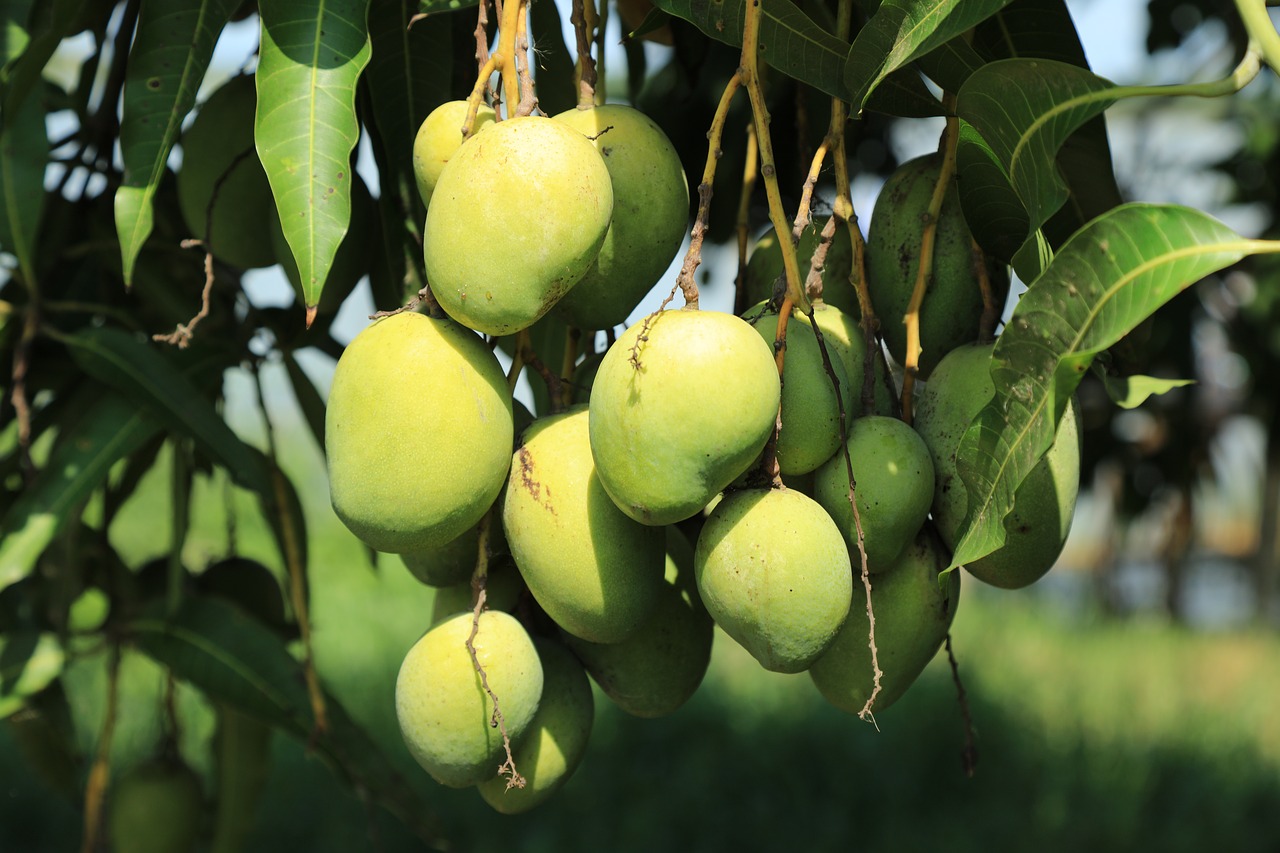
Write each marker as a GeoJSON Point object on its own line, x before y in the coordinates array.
{"type": "Point", "coordinates": [683, 403]}
{"type": "Point", "coordinates": [438, 139]}
{"type": "Point", "coordinates": [913, 614]}
{"type": "Point", "coordinates": [894, 476]}
{"type": "Point", "coordinates": [594, 570]}
{"type": "Point", "coordinates": [1036, 530]}
{"type": "Point", "coordinates": [502, 592]}
{"type": "Point", "coordinates": [764, 267]}
{"type": "Point", "coordinates": [844, 339]}
{"type": "Point", "coordinates": [516, 220]}
{"type": "Point", "coordinates": [455, 561]}
{"type": "Point", "coordinates": [773, 571]}
{"type": "Point", "coordinates": [952, 306]}
{"type": "Point", "coordinates": [650, 212]}
{"type": "Point", "coordinates": [443, 710]}
{"type": "Point", "coordinates": [156, 807]}
{"type": "Point", "coordinates": [810, 430]}
{"type": "Point", "coordinates": [415, 401]}
{"type": "Point", "coordinates": [553, 746]}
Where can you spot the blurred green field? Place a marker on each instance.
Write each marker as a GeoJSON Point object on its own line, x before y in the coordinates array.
{"type": "Point", "coordinates": [1092, 734]}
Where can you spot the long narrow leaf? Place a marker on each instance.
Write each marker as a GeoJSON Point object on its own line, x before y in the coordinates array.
{"type": "Point", "coordinates": [1109, 277]}
{"type": "Point", "coordinates": [170, 54]}
{"type": "Point", "coordinates": [24, 148]}
{"type": "Point", "coordinates": [29, 662]}
{"type": "Point", "coordinates": [310, 59]}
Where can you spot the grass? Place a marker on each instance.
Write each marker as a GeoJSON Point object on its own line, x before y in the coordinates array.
{"type": "Point", "coordinates": [1110, 735]}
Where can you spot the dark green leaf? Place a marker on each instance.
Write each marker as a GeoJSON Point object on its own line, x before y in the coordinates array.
{"type": "Point", "coordinates": [142, 373]}
{"type": "Point", "coordinates": [309, 399]}
{"type": "Point", "coordinates": [427, 7]}
{"type": "Point", "coordinates": [109, 429]}
{"type": "Point", "coordinates": [14, 36]}
{"type": "Point", "coordinates": [238, 661]}
{"type": "Point", "coordinates": [903, 93]}
{"type": "Point", "coordinates": [1129, 392]}
{"type": "Point", "coordinates": [789, 40]}
{"type": "Point", "coordinates": [283, 511]}
{"type": "Point", "coordinates": [29, 662]}
{"type": "Point", "coordinates": [901, 31]}
{"type": "Point", "coordinates": [1108, 278]}
{"type": "Point", "coordinates": [24, 148]}
{"type": "Point", "coordinates": [48, 22]}
{"type": "Point", "coordinates": [310, 59]}
{"type": "Point", "coordinates": [170, 54]}
{"type": "Point", "coordinates": [552, 61]}
{"type": "Point", "coordinates": [654, 20]}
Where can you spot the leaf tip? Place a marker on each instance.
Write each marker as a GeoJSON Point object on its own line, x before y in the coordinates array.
{"type": "Point", "coordinates": [311, 315]}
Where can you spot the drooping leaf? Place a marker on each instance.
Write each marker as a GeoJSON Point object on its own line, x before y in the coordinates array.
{"type": "Point", "coordinates": [789, 40]}
{"type": "Point", "coordinates": [901, 31]}
{"type": "Point", "coordinates": [237, 660]}
{"type": "Point", "coordinates": [310, 59]}
{"type": "Point", "coordinates": [109, 429]}
{"type": "Point", "coordinates": [140, 372]}
{"type": "Point", "coordinates": [552, 61]}
{"type": "Point", "coordinates": [1129, 392]}
{"type": "Point", "coordinates": [24, 148]}
{"type": "Point", "coordinates": [1105, 280]}
{"type": "Point", "coordinates": [30, 44]}
{"type": "Point", "coordinates": [29, 662]}
{"type": "Point", "coordinates": [283, 511]}
{"type": "Point", "coordinates": [309, 399]}
{"type": "Point", "coordinates": [170, 54]}
{"type": "Point", "coordinates": [903, 93]}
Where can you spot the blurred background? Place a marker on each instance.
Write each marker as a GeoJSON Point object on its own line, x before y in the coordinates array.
{"type": "Point", "coordinates": [1128, 699]}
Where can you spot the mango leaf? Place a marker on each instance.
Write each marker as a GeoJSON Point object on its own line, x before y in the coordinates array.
{"type": "Point", "coordinates": [109, 429]}
{"type": "Point", "coordinates": [305, 128]}
{"type": "Point", "coordinates": [237, 660]}
{"type": "Point", "coordinates": [14, 36]}
{"type": "Point", "coordinates": [1113, 274]}
{"type": "Point", "coordinates": [428, 7]}
{"type": "Point", "coordinates": [552, 60]}
{"type": "Point", "coordinates": [170, 54]}
{"type": "Point", "coordinates": [283, 511]}
{"type": "Point", "coordinates": [1129, 392]}
{"type": "Point", "coordinates": [24, 149]}
{"type": "Point", "coordinates": [901, 31]}
{"type": "Point", "coordinates": [30, 41]}
{"type": "Point", "coordinates": [789, 40]}
{"type": "Point", "coordinates": [29, 662]}
{"type": "Point", "coordinates": [1020, 112]}
{"type": "Point", "coordinates": [309, 399]}
{"type": "Point", "coordinates": [140, 372]}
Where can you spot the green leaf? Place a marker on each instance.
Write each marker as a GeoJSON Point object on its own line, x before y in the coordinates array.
{"type": "Point", "coordinates": [1109, 277]}
{"type": "Point", "coordinates": [789, 40]}
{"type": "Point", "coordinates": [310, 59]}
{"type": "Point", "coordinates": [283, 511]}
{"type": "Point", "coordinates": [29, 662]}
{"type": "Point", "coordinates": [24, 149]}
{"type": "Point", "coordinates": [901, 31]}
{"type": "Point", "coordinates": [237, 660]}
{"type": "Point", "coordinates": [1129, 392]}
{"type": "Point", "coordinates": [170, 54]}
{"type": "Point", "coordinates": [309, 399]}
{"type": "Point", "coordinates": [109, 429]}
{"type": "Point", "coordinates": [428, 7]}
{"type": "Point", "coordinates": [32, 45]}
{"type": "Point", "coordinates": [14, 36]}
{"type": "Point", "coordinates": [553, 61]}
{"type": "Point", "coordinates": [140, 372]}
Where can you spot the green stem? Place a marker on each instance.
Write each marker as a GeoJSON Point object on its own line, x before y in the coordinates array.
{"type": "Point", "coordinates": [1262, 33]}
{"type": "Point", "coordinates": [1250, 65]}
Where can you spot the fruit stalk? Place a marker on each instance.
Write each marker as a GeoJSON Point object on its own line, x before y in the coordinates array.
{"type": "Point", "coordinates": [750, 171]}
{"type": "Point", "coordinates": [586, 68]}
{"type": "Point", "coordinates": [969, 755]}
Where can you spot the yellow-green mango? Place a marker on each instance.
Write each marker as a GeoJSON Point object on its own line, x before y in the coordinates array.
{"type": "Point", "coordinates": [774, 573]}
{"type": "Point", "coordinates": [683, 403]}
{"type": "Point", "coordinates": [438, 137]}
{"type": "Point", "coordinates": [655, 670]}
{"type": "Point", "coordinates": [444, 711]}
{"type": "Point", "coordinates": [650, 211]}
{"type": "Point", "coordinates": [156, 807]}
{"type": "Point", "coordinates": [810, 430]}
{"type": "Point", "coordinates": [953, 302]}
{"type": "Point", "coordinates": [218, 151]}
{"type": "Point", "coordinates": [1036, 530]}
{"type": "Point", "coordinates": [844, 339]}
{"type": "Point", "coordinates": [516, 220]}
{"type": "Point", "coordinates": [913, 614]}
{"type": "Point", "coordinates": [595, 571]}
{"type": "Point", "coordinates": [553, 746]}
{"type": "Point", "coordinates": [894, 476]}
{"type": "Point", "coordinates": [765, 266]}
{"type": "Point", "coordinates": [415, 403]}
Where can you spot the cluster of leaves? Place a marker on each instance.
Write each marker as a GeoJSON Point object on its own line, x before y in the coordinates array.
{"type": "Point", "coordinates": [89, 223]}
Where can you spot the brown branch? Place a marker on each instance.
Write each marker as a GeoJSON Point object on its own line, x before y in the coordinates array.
{"type": "Point", "coordinates": [749, 173]}
{"type": "Point", "coordinates": [18, 393]}
{"type": "Point", "coordinates": [969, 755]}
{"type": "Point", "coordinates": [586, 70]}
{"type": "Point", "coordinates": [182, 335]}
{"type": "Point", "coordinates": [528, 100]}
{"type": "Point", "coordinates": [990, 310]}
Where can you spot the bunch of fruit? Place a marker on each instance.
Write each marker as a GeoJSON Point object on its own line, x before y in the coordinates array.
{"type": "Point", "coordinates": [558, 547]}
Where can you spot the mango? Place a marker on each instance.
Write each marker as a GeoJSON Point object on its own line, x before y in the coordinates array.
{"type": "Point", "coordinates": [414, 401]}
{"type": "Point", "coordinates": [438, 138]}
{"type": "Point", "coordinates": [764, 268]}
{"type": "Point", "coordinates": [156, 807]}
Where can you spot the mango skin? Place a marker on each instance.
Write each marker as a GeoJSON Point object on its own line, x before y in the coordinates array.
{"type": "Point", "coordinates": [894, 473]}
{"type": "Point", "coordinates": [650, 211]}
{"type": "Point", "coordinates": [438, 138]}
{"type": "Point", "coordinates": [774, 572]}
{"type": "Point", "coordinates": [653, 672]}
{"type": "Point", "coordinates": [844, 339]}
{"type": "Point", "coordinates": [765, 266]}
{"type": "Point", "coordinates": [595, 571]}
{"type": "Point", "coordinates": [553, 746]}
{"type": "Point", "coordinates": [444, 712]}
{"type": "Point", "coordinates": [244, 214]}
{"type": "Point", "coordinates": [1036, 530]}
{"type": "Point", "coordinates": [810, 431]}
{"type": "Point", "coordinates": [156, 807]}
{"type": "Point", "coordinates": [913, 614]}
{"type": "Point", "coordinates": [516, 220]}
{"type": "Point", "coordinates": [668, 435]}
{"type": "Point", "coordinates": [414, 401]}
{"type": "Point", "coordinates": [952, 304]}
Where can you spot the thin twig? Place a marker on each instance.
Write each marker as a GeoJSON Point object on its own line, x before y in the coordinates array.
{"type": "Point", "coordinates": [528, 100]}
{"type": "Point", "coordinates": [990, 310]}
{"type": "Point", "coordinates": [749, 172]}
{"type": "Point", "coordinates": [969, 755]}
{"type": "Point", "coordinates": [586, 68]}
{"type": "Point", "coordinates": [18, 393]}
